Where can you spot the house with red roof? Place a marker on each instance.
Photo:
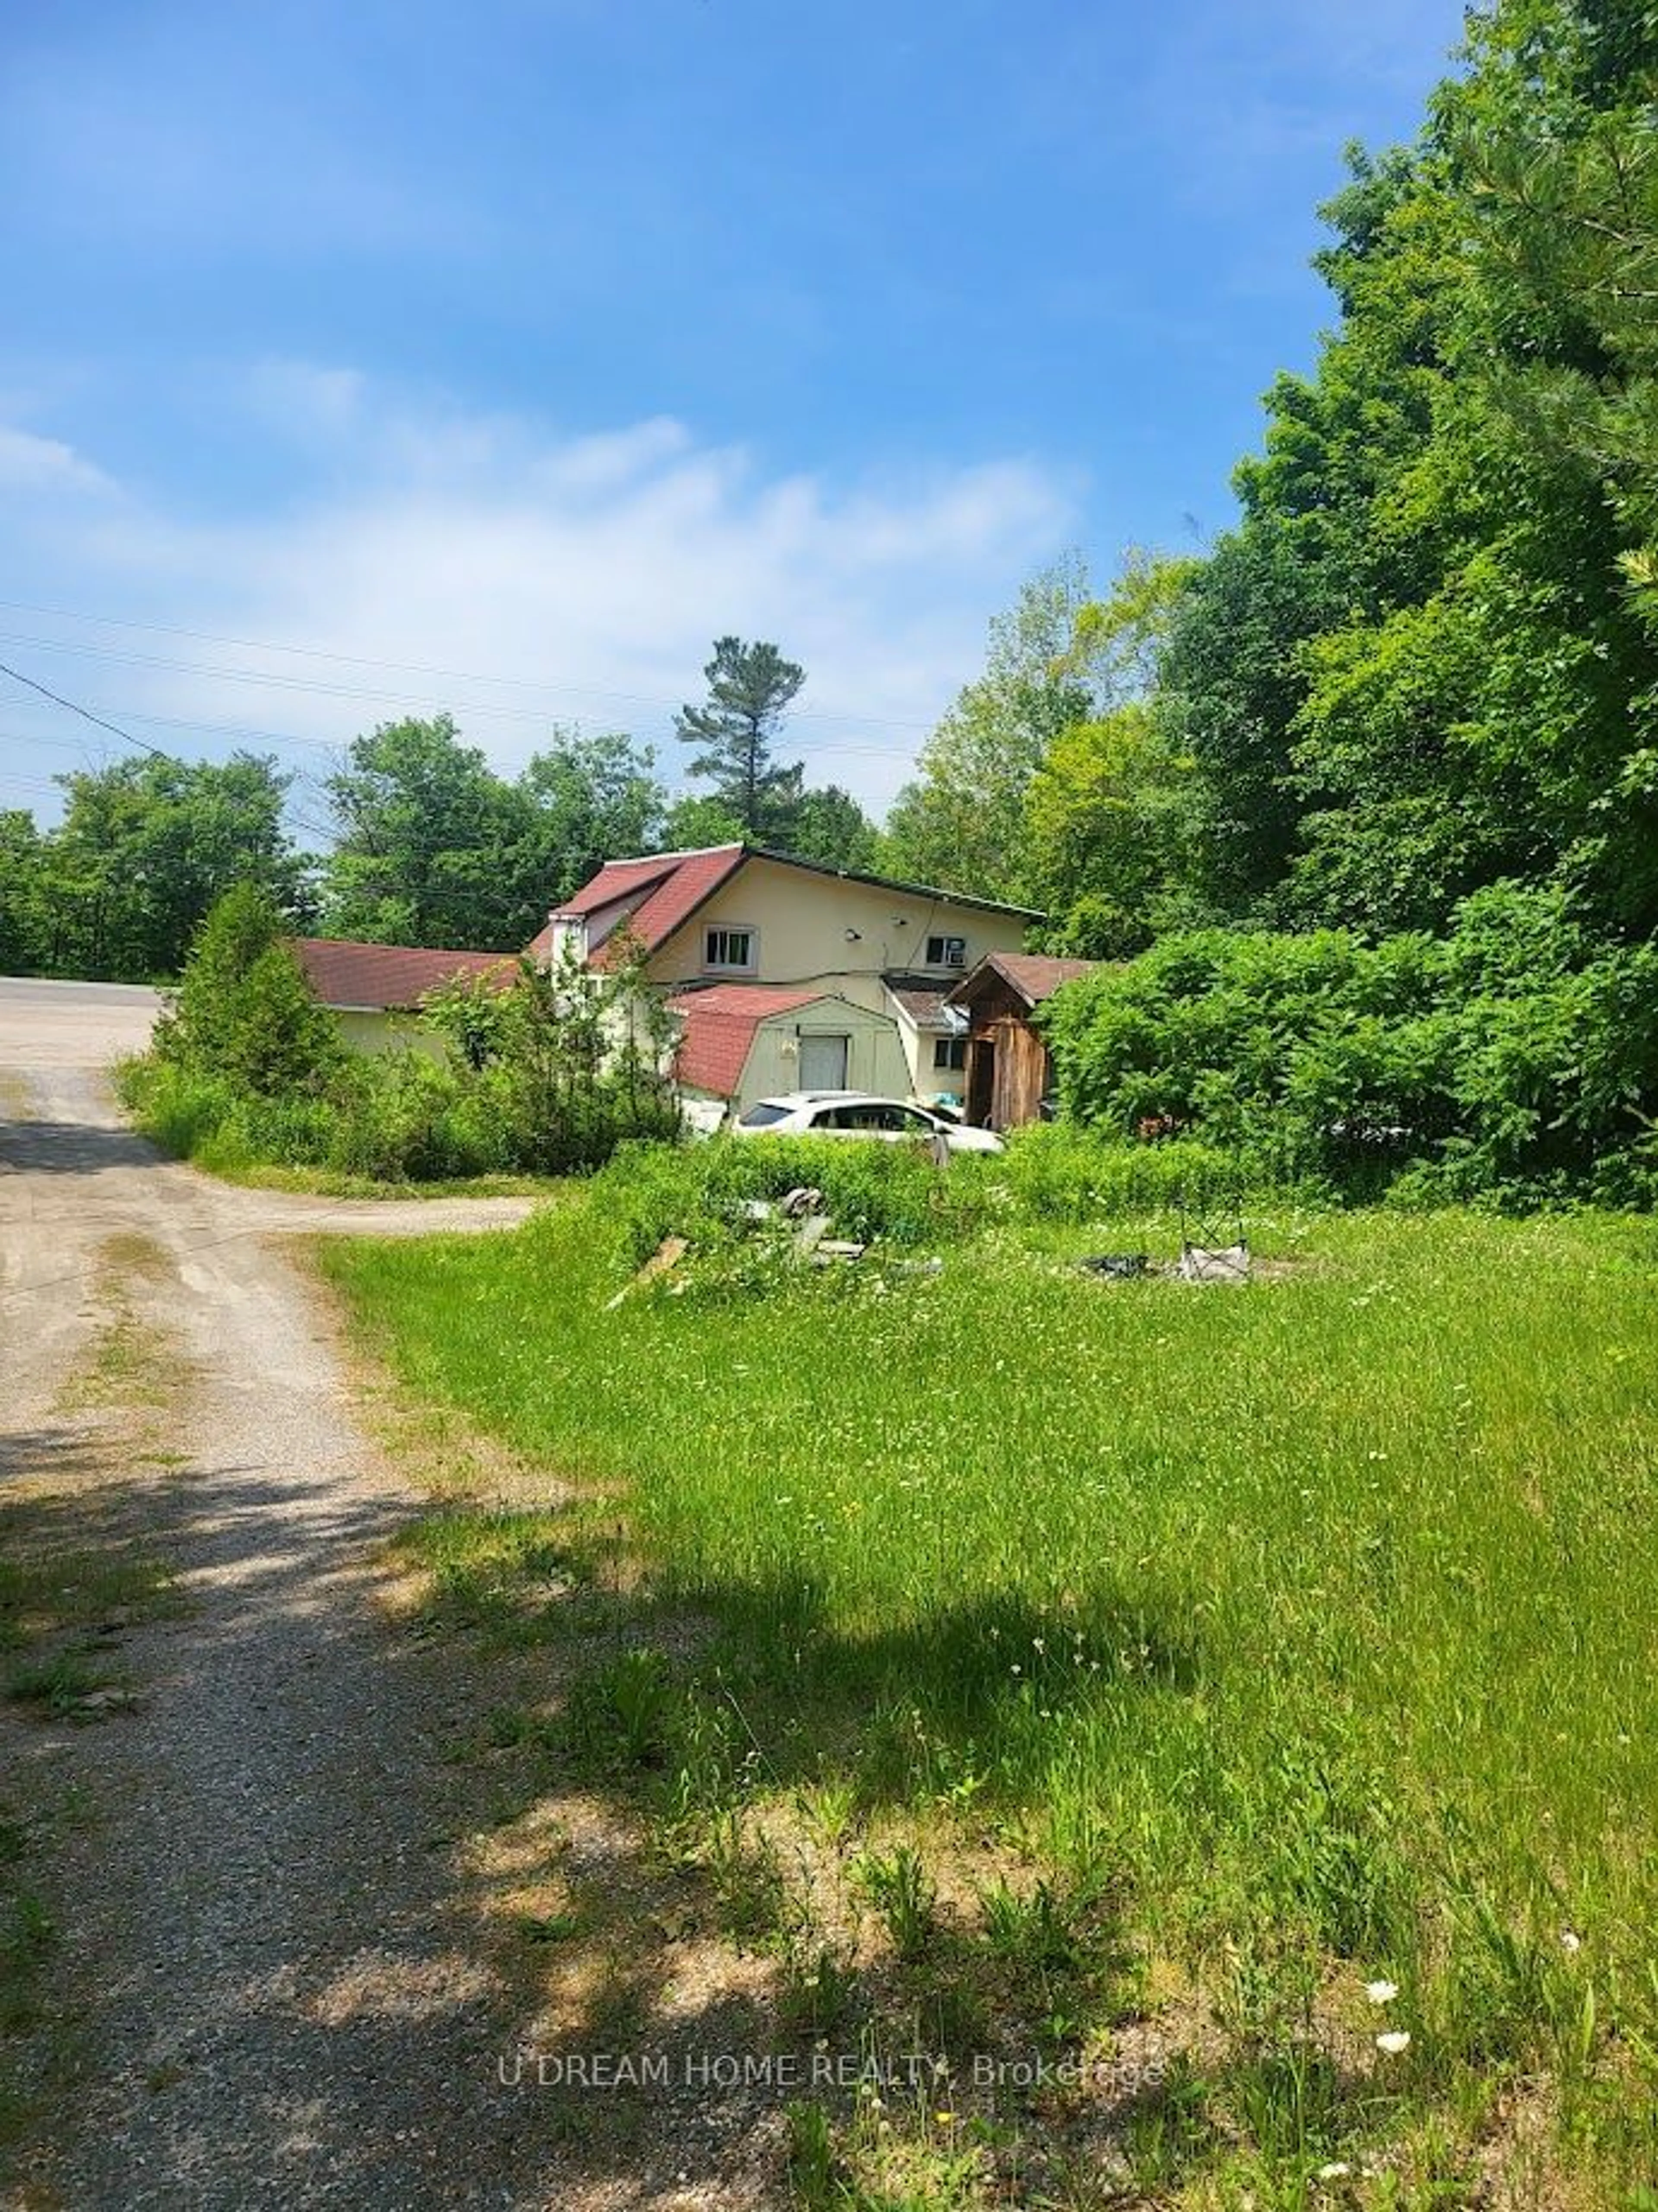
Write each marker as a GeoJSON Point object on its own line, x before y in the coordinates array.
{"type": "Point", "coordinates": [782, 973]}
{"type": "Point", "coordinates": [787, 974]}
{"type": "Point", "coordinates": [375, 990]}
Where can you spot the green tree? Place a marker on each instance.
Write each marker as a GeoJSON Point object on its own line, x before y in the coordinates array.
{"type": "Point", "coordinates": [830, 826]}
{"type": "Point", "coordinates": [1106, 828]}
{"type": "Point", "coordinates": [696, 821]}
{"type": "Point", "coordinates": [750, 687]}
{"type": "Point", "coordinates": [147, 846]}
{"type": "Point", "coordinates": [434, 848]}
{"type": "Point", "coordinates": [24, 925]}
{"type": "Point", "coordinates": [1422, 663]}
{"type": "Point", "coordinates": [244, 1012]}
{"type": "Point", "coordinates": [1109, 820]}
{"type": "Point", "coordinates": [591, 799]}
{"type": "Point", "coordinates": [960, 822]}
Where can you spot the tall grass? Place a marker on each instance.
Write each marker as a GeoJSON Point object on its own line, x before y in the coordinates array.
{"type": "Point", "coordinates": [1319, 1611]}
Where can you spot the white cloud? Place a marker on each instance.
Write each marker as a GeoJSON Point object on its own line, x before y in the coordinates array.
{"type": "Point", "coordinates": [573, 578]}
{"type": "Point", "coordinates": [32, 463]}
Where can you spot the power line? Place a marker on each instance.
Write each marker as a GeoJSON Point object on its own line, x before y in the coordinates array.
{"type": "Point", "coordinates": [468, 708]}
{"type": "Point", "coordinates": [264, 737]}
{"type": "Point", "coordinates": [102, 722]}
{"type": "Point", "coordinates": [553, 684]}
{"type": "Point", "coordinates": [115, 729]}
{"type": "Point", "coordinates": [85, 712]}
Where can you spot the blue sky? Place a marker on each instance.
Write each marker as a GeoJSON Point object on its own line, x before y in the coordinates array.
{"type": "Point", "coordinates": [365, 362]}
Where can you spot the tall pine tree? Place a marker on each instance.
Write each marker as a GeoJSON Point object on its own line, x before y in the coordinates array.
{"type": "Point", "coordinates": [750, 687]}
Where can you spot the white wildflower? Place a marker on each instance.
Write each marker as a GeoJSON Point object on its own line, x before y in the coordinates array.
{"type": "Point", "coordinates": [1570, 1940]}
{"type": "Point", "coordinates": [1381, 1993]}
{"type": "Point", "coordinates": [1395, 2040]}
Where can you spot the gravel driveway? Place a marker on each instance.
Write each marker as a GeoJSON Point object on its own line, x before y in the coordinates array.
{"type": "Point", "coordinates": [277, 2000]}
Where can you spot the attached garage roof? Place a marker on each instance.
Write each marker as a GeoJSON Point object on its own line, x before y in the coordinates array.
{"type": "Point", "coordinates": [388, 978]}
{"type": "Point", "coordinates": [924, 1002]}
{"type": "Point", "coordinates": [719, 1027]}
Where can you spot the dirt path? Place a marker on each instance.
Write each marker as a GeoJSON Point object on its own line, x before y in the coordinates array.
{"type": "Point", "coordinates": [276, 2001]}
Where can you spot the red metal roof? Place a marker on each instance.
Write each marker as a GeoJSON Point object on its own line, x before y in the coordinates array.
{"type": "Point", "coordinates": [388, 977]}
{"type": "Point", "coordinates": [1034, 976]}
{"type": "Point", "coordinates": [665, 890]}
{"type": "Point", "coordinates": [719, 1026]}
{"type": "Point", "coordinates": [617, 879]}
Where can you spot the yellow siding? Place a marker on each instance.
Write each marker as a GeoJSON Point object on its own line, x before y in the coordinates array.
{"type": "Point", "coordinates": [388, 1032]}
{"type": "Point", "coordinates": [875, 1058]}
{"type": "Point", "coordinates": [802, 920]}
{"type": "Point", "coordinates": [931, 1082]}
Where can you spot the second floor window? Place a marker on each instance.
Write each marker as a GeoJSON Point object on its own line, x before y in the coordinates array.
{"type": "Point", "coordinates": [947, 952]}
{"type": "Point", "coordinates": [734, 950]}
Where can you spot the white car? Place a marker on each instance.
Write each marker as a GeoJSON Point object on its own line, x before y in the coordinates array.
{"type": "Point", "coordinates": [854, 1113]}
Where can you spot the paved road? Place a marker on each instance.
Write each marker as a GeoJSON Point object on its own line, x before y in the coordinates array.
{"type": "Point", "coordinates": [277, 1998]}
{"type": "Point", "coordinates": [53, 1024]}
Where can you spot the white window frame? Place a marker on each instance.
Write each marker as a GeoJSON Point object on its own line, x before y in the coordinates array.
{"type": "Point", "coordinates": [943, 959]}
{"type": "Point", "coordinates": [728, 929]}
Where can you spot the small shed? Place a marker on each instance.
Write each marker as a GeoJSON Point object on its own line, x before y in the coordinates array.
{"type": "Point", "coordinates": [1010, 1071]}
{"type": "Point", "coordinates": [740, 1041]}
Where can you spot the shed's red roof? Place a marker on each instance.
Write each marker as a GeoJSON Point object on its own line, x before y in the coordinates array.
{"type": "Point", "coordinates": [1034, 976]}
{"type": "Point", "coordinates": [719, 1029]}
{"type": "Point", "coordinates": [386, 978]}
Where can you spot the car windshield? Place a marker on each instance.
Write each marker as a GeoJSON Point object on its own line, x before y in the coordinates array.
{"type": "Point", "coordinates": [762, 1115]}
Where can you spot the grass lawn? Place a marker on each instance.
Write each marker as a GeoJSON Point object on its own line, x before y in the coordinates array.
{"type": "Point", "coordinates": [1311, 1624]}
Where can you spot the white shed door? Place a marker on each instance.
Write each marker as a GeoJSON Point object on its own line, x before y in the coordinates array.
{"type": "Point", "coordinates": [823, 1063]}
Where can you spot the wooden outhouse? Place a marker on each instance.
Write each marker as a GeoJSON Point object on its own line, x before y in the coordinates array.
{"type": "Point", "coordinates": [1010, 1071]}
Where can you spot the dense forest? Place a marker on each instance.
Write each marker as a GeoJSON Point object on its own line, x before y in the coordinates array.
{"type": "Point", "coordinates": [1426, 659]}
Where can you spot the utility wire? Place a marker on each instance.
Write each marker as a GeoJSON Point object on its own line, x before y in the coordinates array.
{"type": "Point", "coordinates": [85, 712]}
{"type": "Point", "coordinates": [102, 722]}
{"type": "Point", "coordinates": [468, 709]}
{"type": "Point", "coordinates": [115, 729]}
{"type": "Point", "coordinates": [363, 660]}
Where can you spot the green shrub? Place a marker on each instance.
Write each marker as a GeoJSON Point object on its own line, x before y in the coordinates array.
{"type": "Point", "coordinates": [244, 1014]}
{"type": "Point", "coordinates": [1516, 1060]}
{"type": "Point", "coordinates": [247, 1069]}
{"type": "Point", "coordinates": [175, 1107]}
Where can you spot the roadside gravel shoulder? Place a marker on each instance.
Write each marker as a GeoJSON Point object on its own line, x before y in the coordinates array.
{"type": "Point", "coordinates": [274, 1989]}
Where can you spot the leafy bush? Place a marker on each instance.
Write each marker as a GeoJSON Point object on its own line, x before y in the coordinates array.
{"type": "Point", "coordinates": [1517, 1059]}
{"type": "Point", "coordinates": [180, 1110]}
{"type": "Point", "coordinates": [247, 1069]}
